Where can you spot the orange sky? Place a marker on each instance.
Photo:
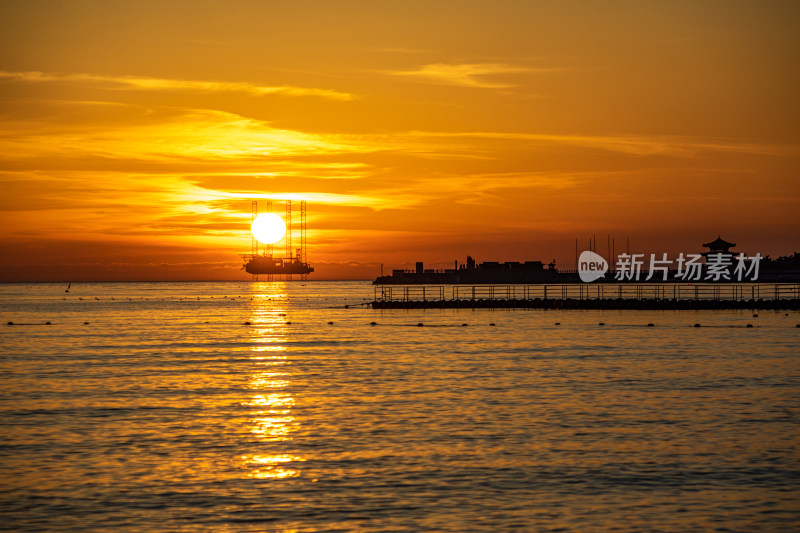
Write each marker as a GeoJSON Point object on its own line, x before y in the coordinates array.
{"type": "Point", "coordinates": [135, 134]}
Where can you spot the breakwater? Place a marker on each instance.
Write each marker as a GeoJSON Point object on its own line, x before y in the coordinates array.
{"type": "Point", "coordinates": [582, 296]}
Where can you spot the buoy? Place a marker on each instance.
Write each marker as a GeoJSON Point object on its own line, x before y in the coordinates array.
{"type": "Point", "coordinates": [330, 322]}
{"type": "Point", "coordinates": [373, 323]}
{"type": "Point", "coordinates": [419, 325]}
{"type": "Point", "coordinates": [462, 325]}
{"type": "Point", "coordinates": [247, 323]}
{"type": "Point", "coordinates": [288, 323]}
{"type": "Point", "coordinates": [697, 325]}
{"type": "Point", "coordinates": [650, 325]}
{"type": "Point", "coordinates": [601, 324]}
{"type": "Point", "coordinates": [347, 307]}
{"type": "Point", "coordinates": [492, 324]}
{"type": "Point", "coordinates": [10, 323]}
{"type": "Point", "coordinates": [558, 323]}
{"type": "Point", "coordinates": [749, 326]}
{"type": "Point", "coordinates": [755, 315]}
{"type": "Point", "coordinates": [85, 323]}
{"type": "Point", "coordinates": [47, 324]}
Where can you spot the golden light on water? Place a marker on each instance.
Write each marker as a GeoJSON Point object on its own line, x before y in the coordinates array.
{"type": "Point", "coordinates": [271, 466]}
{"type": "Point", "coordinates": [273, 401]}
{"type": "Point", "coordinates": [270, 426]}
{"type": "Point", "coordinates": [270, 380]}
{"type": "Point", "coordinates": [271, 420]}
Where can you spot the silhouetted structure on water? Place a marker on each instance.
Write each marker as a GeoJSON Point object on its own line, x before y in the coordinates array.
{"type": "Point", "coordinates": [294, 263]}
{"type": "Point", "coordinates": [781, 270]}
{"type": "Point", "coordinates": [472, 273]}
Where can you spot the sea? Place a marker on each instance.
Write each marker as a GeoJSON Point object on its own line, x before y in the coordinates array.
{"type": "Point", "coordinates": [296, 407]}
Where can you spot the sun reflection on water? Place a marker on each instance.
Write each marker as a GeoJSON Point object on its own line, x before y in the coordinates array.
{"type": "Point", "coordinates": [270, 466]}
{"type": "Point", "coordinates": [271, 421]}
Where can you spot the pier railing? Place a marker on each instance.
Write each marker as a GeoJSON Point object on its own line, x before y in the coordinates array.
{"type": "Point", "coordinates": [409, 293]}
{"type": "Point", "coordinates": [604, 291]}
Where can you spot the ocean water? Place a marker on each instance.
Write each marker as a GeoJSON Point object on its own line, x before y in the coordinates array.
{"type": "Point", "coordinates": [157, 407]}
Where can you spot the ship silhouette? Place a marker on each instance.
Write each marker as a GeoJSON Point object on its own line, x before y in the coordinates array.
{"type": "Point", "coordinates": [266, 264]}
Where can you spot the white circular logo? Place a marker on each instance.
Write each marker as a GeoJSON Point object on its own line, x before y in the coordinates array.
{"type": "Point", "coordinates": [591, 266]}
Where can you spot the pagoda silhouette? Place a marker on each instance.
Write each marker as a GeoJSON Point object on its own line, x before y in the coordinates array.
{"type": "Point", "coordinates": [719, 246]}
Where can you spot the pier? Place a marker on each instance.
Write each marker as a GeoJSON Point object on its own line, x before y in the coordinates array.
{"type": "Point", "coordinates": [592, 296]}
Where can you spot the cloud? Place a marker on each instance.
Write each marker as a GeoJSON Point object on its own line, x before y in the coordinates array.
{"type": "Point", "coordinates": [158, 205]}
{"type": "Point", "coordinates": [475, 188]}
{"type": "Point", "coordinates": [165, 84]}
{"type": "Point", "coordinates": [158, 173]}
{"type": "Point", "coordinates": [639, 145]}
{"type": "Point", "coordinates": [465, 74]}
{"type": "Point", "coordinates": [163, 135]}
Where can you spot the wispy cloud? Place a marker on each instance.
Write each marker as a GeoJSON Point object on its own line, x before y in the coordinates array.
{"type": "Point", "coordinates": [639, 145]}
{"type": "Point", "coordinates": [106, 169]}
{"type": "Point", "coordinates": [465, 74]}
{"type": "Point", "coordinates": [476, 188]}
{"type": "Point", "coordinates": [164, 205]}
{"type": "Point", "coordinates": [167, 135]}
{"type": "Point", "coordinates": [166, 84]}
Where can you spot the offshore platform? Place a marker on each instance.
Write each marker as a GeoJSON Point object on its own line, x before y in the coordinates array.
{"type": "Point", "coordinates": [266, 262]}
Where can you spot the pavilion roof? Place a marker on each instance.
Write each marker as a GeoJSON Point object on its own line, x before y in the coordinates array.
{"type": "Point", "coordinates": [719, 243]}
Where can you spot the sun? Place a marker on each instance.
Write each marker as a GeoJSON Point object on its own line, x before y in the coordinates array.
{"type": "Point", "coordinates": [268, 228]}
